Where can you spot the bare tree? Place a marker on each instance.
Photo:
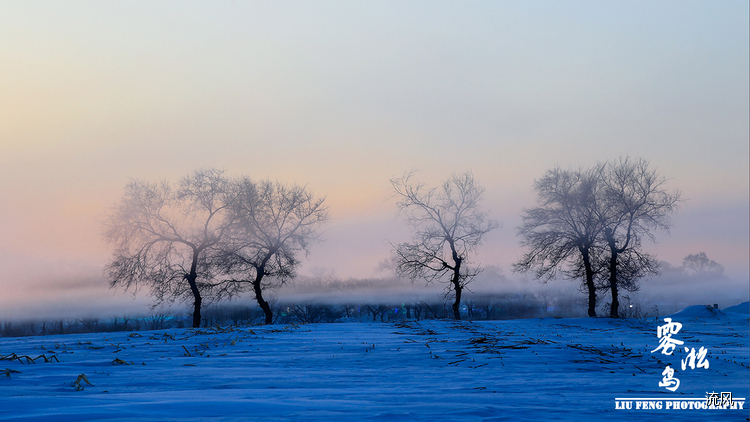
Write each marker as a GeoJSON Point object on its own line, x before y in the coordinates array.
{"type": "Point", "coordinates": [447, 227]}
{"type": "Point", "coordinates": [561, 233]}
{"type": "Point", "coordinates": [161, 235]}
{"type": "Point", "coordinates": [377, 309]}
{"type": "Point", "coordinates": [311, 313]}
{"type": "Point", "coordinates": [274, 222]}
{"type": "Point", "coordinates": [592, 222]}
{"type": "Point", "coordinates": [699, 265]}
{"type": "Point", "coordinates": [634, 202]}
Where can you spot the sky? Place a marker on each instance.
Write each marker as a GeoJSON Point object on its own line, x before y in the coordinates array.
{"type": "Point", "coordinates": [343, 96]}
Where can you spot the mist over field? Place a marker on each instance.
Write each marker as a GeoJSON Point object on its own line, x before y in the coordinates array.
{"type": "Point", "coordinates": [81, 292]}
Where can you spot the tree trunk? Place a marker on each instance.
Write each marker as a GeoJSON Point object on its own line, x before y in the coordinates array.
{"type": "Point", "coordinates": [457, 302]}
{"type": "Point", "coordinates": [197, 296]}
{"type": "Point", "coordinates": [456, 280]}
{"type": "Point", "coordinates": [261, 302]}
{"type": "Point", "coordinates": [615, 306]}
{"type": "Point", "coordinates": [191, 277]}
{"type": "Point", "coordinates": [614, 311]}
{"type": "Point", "coordinates": [614, 251]}
{"type": "Point", "coordinates": [589, 280]}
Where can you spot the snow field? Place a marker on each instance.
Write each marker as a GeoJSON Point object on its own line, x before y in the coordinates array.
{"type": "Point", "coordinates": [521, 370]}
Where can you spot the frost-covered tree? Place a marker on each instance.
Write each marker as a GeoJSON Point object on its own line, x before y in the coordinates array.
{"type": "Point", "coordinates": [591, 224]}
{"type": "Point", "coordinates": [448, 226]}
{"type": "Point", "coordinates": [699, 265]}
{"type": "Point", "coordinates": [272, 224]}
{"type": "Point", "coordinates": [162, 233]}
{"type": "Point", "coordinates": [562, 232]}
{"type": "Point", "coordinates": [634, 203]}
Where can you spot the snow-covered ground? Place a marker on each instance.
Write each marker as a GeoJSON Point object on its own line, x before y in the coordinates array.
{"type": "Point", "coordinates": [520, 370]}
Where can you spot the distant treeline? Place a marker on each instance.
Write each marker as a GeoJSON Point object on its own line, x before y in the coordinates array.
{"type": "Point", "coordinates": [475, 307]}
